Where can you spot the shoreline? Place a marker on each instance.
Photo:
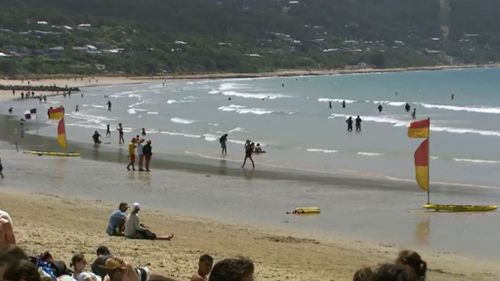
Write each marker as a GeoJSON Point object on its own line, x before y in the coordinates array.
{"type": "Point", "coordinates": [278, 254]}
{"type": "Point", "coordinates": [82, 82]}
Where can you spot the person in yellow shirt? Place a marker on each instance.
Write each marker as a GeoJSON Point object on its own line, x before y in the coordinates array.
{"type": "Point", "coordinates": [131, 154]}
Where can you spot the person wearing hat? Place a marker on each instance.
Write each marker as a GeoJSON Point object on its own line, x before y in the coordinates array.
{"type": "Point", "coordinates": [135, 230]}
{"type": "Point", "coordinates": [146, 150]}
{"type": "Point", "coordinates": [118, 270]}
{"type": "Point", "coordinates": [116, 221]}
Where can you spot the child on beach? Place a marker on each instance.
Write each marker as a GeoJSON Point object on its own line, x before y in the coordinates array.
{"type": "Point", "coordinates": [204, 267]}
{"type": "Point", "coordinates": [78, 262]}
{"type": "Point", "coordinates": [120, 132]}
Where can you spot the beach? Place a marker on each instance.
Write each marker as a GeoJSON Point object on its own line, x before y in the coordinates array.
{"type": "Point", "coordinates": [67, 225]}
{"type": "Point", "coordinates": [213, 206]}
{"type": "Point", "coordinates": [62, 205]}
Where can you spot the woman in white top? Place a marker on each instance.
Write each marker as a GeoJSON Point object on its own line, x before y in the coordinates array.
{"type": "Point", "coordinates": [79, 263]}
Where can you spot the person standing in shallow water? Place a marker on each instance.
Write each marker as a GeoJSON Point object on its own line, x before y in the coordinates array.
{"type": "Point", "coordinates": [349, 124]}
{"type": "Point", "coordinates": [131, 154]}
{"type": "Point", "coordinates": [143, 132]}
{"type": "Point", "coordinates": [147, 151]}
{"type": "Point", "coordinates": [358, 124]}
{"type": "Point", "coordinates": [407, 107]}
{"type": "Point", "coordinates": [343, 104]}
{"type": "Point", "coordinates": [120, 132]}
{"type": "Point", "coordinates": [108, 132]}
{"type": "Point", "coordinates": [414, 113]}
{"type": "Point", "coordinates": [249, 147]}
{"type": "Point", "coordinates": [109, 105]}
{"type": "Point", "coordinates": [1, 169]}
{"type": "Point", "coordinates": [223, 141]}
{"type": "Point", "coordinates": [380, 108]}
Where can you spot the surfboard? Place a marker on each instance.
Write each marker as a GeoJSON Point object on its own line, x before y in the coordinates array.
{"type": "Point", "coordinates": [460, 208]}
{"type": "Point", "coordinates": [54, 153]}
{"type": "Point", "coordinates": [306, 210]}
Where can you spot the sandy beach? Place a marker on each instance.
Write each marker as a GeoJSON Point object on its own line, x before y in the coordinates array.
{"type": "Point", "coordinates": [68, 225]}
{"type": "Point", "coordinates": [67, 220]}
{"type": "Point", "coordinates": [62, 205]}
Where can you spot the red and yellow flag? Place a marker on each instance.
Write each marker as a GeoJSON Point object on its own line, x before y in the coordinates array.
{"type": "Point", "coordinates": [61, 133]}
{"type": "Point", "coordinates": [56, 113]}
{"type": "Point", "coordinates": [419, 129]}
{"type": "Point", "coordinates": [422, 165]}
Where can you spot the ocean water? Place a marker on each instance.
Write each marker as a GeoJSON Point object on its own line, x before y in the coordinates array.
{"type": "Point", "coordinates": [290, 117]}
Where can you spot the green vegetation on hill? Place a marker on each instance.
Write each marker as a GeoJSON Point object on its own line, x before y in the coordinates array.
{"type": "Point", "coordinates": [196, 36]}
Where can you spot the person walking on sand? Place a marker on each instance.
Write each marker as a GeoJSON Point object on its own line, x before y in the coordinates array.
{"type": "Point", "coordinates": [147, 151]}
{"type": "Point", "coordinates": [223, 141]}
{"type": "Point", "coordinates": [120, 132]}
{"type": "Point", "coordinates": [414, 113]}
{"type": "Point", "coordinates": [108, 131]}
{"type": "Point", "coordinates": [249, 147]}
{"type": "Point", "coordinates": [358, 124]}
{"type": "Point", "coordinates": [140, 154]}
{"type": "Point", "coordinates": [1, 169]}
{"type": "Point", "coordinates": [349, 124]}
{"type": "Point", "coordinates": [131, 154]}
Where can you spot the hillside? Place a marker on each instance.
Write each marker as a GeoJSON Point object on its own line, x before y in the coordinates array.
{"type": "Point", "coordinates": [194, 36]}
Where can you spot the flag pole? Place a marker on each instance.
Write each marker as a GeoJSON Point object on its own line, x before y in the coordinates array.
{"type": "Point", "coordinates": [429, 165]}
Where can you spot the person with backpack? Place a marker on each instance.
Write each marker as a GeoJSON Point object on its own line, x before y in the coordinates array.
{"type": "Point", "coordinates": [223, 141]}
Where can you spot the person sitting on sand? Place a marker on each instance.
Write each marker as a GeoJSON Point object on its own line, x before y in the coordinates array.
{"type": "Point", "coordinates": [103, 254]}
{"type": "Point", "coordinates": [414, 261]}
{"type": "Point", "coordinates": [258, 149]}
{"type": "Point", "coordinates": [205, 264]}
{"type": "Point", "coordinates": [135, 230]}
{"type": "Point", "coordinates": [6, 230]}
{"type": "Point", "coordinates": [116, 221]}
{"type": "Point", "coordinates": [233, 269]}
{"type": "Point", "coordinates": [363, 274]}
{"type": "Point", "coordinates": [78, 262]}
{"type": "Point", "coordinates": [393, 272]}
{"type": "Point", "coordinates": [15, 265]}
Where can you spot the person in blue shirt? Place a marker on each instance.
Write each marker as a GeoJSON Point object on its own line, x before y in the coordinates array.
{"type": "Point", "coordinates": [116, 222]}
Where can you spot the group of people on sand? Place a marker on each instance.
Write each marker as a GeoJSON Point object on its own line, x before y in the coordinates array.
{"type": "Point", "coordinates": [408, 266]}
{"type": "Point", "coordinates": [129, 225]}
{"type": "Point", "coordinates": [16, 265]}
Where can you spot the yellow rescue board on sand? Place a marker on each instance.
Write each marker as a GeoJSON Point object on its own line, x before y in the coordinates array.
{"type": "Point", "coordinates": [306, 210]}
{"type": "Point", "coordinates": [54, 153]}
{"type": "Point", "coordinates": [460, 208]}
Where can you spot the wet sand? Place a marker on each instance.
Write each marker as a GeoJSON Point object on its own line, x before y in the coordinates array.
{"type": "Point", "coordinates": [62, 204]}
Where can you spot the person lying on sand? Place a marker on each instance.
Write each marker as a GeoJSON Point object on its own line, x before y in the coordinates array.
{"type": "Point", "coordinates": [135, 230]}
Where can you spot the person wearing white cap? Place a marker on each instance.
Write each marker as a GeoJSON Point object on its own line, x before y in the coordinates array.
{"type": "Point", "coordinates": [135, 230]}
